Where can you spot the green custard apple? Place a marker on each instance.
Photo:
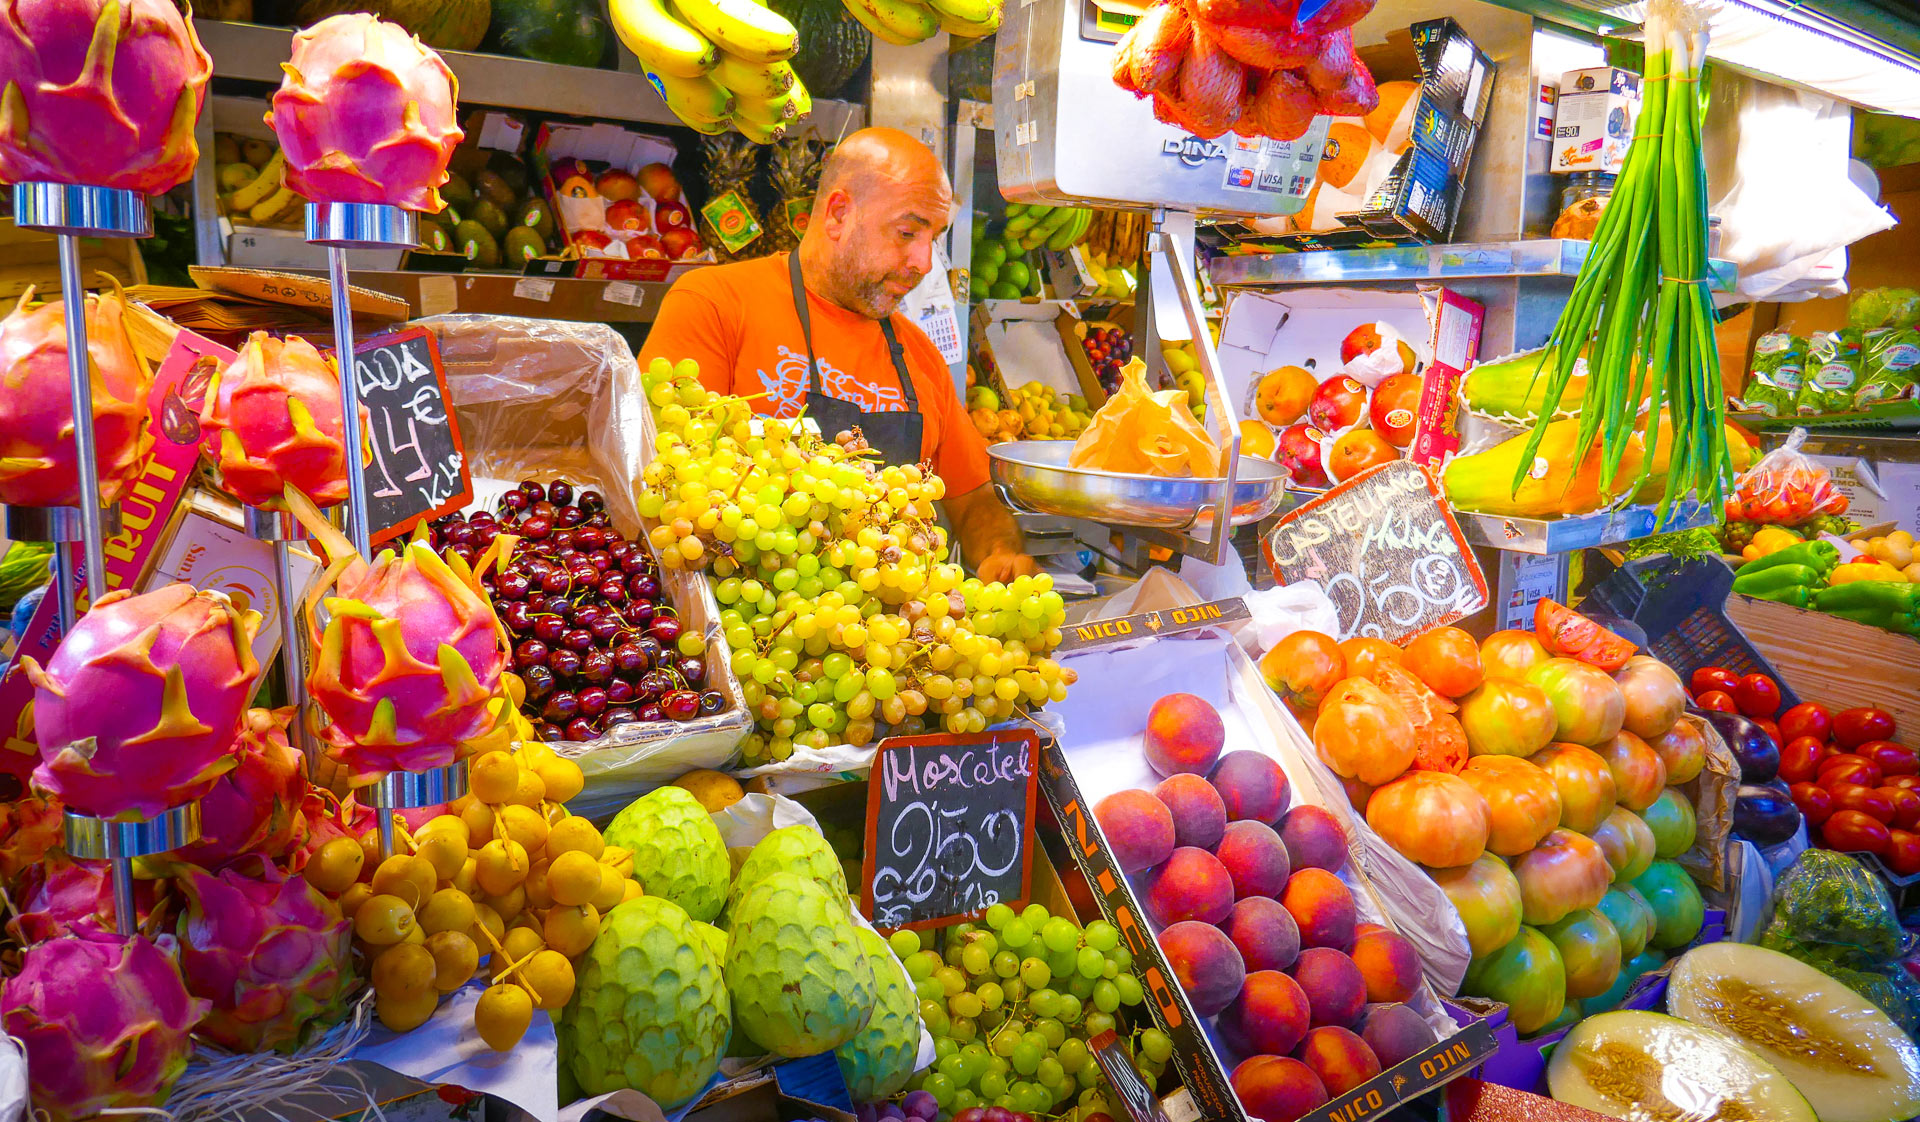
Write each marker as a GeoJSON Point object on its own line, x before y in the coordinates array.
{"type": "Point", "coordinates": [677, 851]}
{"type": "Point", "coordinates": [800, 982]}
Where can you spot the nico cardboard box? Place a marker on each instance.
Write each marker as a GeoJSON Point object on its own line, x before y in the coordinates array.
{"type": "Point", "coordinates": [1100, 755]}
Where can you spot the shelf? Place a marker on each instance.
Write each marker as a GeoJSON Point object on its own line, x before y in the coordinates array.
{"type": "Point", "coordinates": [1537, 257]}
{"type": "Point", "coordinates": [254, 53]}
{"type": "Point", "coordinates": [1583, 531]}
{"type": "Point", "coordinates": [506, 294]}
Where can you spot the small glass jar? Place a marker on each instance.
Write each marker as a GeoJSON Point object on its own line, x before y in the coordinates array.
{"type": "Point", "coordinates": [1585, 185]}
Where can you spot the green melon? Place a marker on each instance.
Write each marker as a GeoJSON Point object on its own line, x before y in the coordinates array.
{"type": "Point", "coordinates": [1631, 1064]}
{"type": "Point", "coordinates": [567, 32]}
{"type": "Point", "coordinates": [449, 25]}
{"type": "Point", "coordinates": [833, 45]}
{"type": "Point", "coordinates": [1849, 1059]}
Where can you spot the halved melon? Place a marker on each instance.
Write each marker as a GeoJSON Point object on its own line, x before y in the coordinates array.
{"type": "Point", "coordinates": [1846, 1056]}
{"type": "Point", "coordinates": [1653, 1068]}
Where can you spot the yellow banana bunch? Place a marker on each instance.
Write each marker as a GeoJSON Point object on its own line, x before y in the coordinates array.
{"type": "Point", "coordinates": [663, 43]}
{"type": "Point", "coordinates": [967, 19]}
{"type": "Point", "coordinates": [700, 101]}
{"type": "Point", "coordinates": [900, 22]}
{"type": "Point", "coordinates": [753, 81]}
{"type": "Point", "coordinates": [742, 28]}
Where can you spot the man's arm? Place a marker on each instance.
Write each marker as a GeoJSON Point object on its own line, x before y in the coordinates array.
{"type": "Point", "coordinates": [990, 538]}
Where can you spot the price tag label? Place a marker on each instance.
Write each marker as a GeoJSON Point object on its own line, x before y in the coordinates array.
{"type": "Point", "coordinates": [949, 826]}
{"type": "Point", "coordinates": [533, 288]}
{"type": "Point", "coordinates": [419, 469]}
{"type": "Point", "coordinates": [1387, 552]}
{"type": "Point", "coordinates": [623, 292]}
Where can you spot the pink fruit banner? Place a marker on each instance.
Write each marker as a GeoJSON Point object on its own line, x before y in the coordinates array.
{"type": "Point", "coordinates": [173, 416]}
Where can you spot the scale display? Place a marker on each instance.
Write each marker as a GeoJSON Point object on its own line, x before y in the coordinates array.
{"type": "Point", "coordinates": [1065, 134]}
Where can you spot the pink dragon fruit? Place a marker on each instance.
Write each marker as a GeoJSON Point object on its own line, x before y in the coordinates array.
{"type": "Point", "coordinates": [139, 708]}
{"type": "Point", "coordinates": [409, 656]}
{"type": "Point", "coordinates": [101, 92]}
{"type": "Point", "coordinates": [272, 420]}
{"type": "Point", "coordinates": [38, 466]}
{"type": "Point", "coordinates": [65, 895]}
{"type": "Point", "coordinates": [105, 1020]}
{"type": "Point", "coordinates": [255, 808]}
{"type": "Point", "coordinates": [365, 114]}
{"type": "Point", "coordinates": [268, 950]}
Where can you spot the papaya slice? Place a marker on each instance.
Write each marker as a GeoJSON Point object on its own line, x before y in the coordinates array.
{"type": "Point", "coordinates": [1568, 634]}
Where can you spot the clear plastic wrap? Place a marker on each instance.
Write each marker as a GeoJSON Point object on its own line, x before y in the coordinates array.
{"type": "Point", "coordinates": [1834, 914]}
{"type": "Point", "coordinates": [1785, 488]}
{"type": "Point", "coordinates": [544, 400]}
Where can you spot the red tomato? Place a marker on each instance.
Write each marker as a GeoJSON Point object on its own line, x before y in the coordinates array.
{"type": "Point", "coordinates": [1806, 719]}
{"type": "Point", "coordinates": [1800, 760]}
{"type": "Point", "coordinates": [1903, 852]}
{"type": "Point", "coordinates": [1904, 782]}
{"type": "Point", "coordinates": [1851, 832]}
{"type": "Point", "coordinates": [1816, 803]}
{"type": "Point", "coordinates": [1773, 730]}
{"type": "Point", "coordinates": [1906, 806]}
{"type": "Point", "coordinates": [1894, 759]}
{"type": "Point", "coordinates": [1854, 727]}
{"type": "Point", "coordinates": [1712, 678]}
{"type": "Point", "coordinates": [1716, 701]}
{"type": "Point", "coordinates": [1846, 768]}
{"type": "Point", "coordinates": [1867, 800]}
{"type": "Point", "coordinates": [1757, 695]}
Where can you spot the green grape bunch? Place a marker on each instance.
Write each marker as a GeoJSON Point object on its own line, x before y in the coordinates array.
{"type": "Point", "coordinates": [840, 608]}
{"type": "Point", "coordinates": [1012, 1003]}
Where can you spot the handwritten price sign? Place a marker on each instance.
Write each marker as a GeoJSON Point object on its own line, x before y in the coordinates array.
{"type": "Point", "coordinates": [419, 466]}
{"type": "Point", "coordinates": [949, 826]}
{"type": "Point", "coordinates": [1386, 551]}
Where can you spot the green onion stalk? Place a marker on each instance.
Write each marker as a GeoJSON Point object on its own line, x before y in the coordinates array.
{"type": "Point", "coordinates": [1640, 311]}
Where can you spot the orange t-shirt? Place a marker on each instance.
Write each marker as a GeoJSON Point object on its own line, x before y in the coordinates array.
{"type": "Point", "coordinates": [737, 321]}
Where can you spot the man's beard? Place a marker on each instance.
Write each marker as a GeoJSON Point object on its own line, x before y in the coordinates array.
{"type": "Point", "coordinates": [864, 294]}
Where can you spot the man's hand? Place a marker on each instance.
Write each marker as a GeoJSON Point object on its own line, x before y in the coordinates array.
{"type": "Point", "coordinates": [1004, 567]}
{"type": "Point", "coordinates": [988, 535]}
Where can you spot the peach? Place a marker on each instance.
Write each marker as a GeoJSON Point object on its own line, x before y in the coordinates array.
{"type": "Point", "coordinates": [1388, 962]}
{"type": "Point", "coordinates": [1322, 907]}
{"type": "Point", "coordinates": [1277, 1088]}
{"type": "Point", "coordinates": [1192, 884]}
{"type": "Point", "coordinates": [1252, 786]}
{"type": "Point", "coordinates": [1270, 1015]}
{"type": "Point", "coordinates": [1264, 932]}
{"type": "Point", "coordinates": [1199, 817]}
{"type": "Point", "coordinates": [1138, 827]}
{"type": "Point", "coordinates": [1206, 963]}
{"type": "Point", "coordinates": [1314, 839]}
{"type": "Point", "coordinates": [1639, 774]}
{"type": "Point", "coordinates": [1396, 1033]}
{"type": "Point", "coordinates": [1184, 735]}
{"type": "Point", "coordinates": [1341, 1059]}
{"type": "Point", "coordinates": [1335, 990]}
{"type": "Point", "coordinates": [1255, 858]}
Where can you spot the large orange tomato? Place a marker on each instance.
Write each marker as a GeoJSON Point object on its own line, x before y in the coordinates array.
{"type": "Point", "coordinates": [1303, 666]}
{"type": "Point", "coordinates": [1432, 818]}
{"type": "Point", "coordinates": [1487, 897]}
{"type": "Point", "coordinates": [1507, 718]}
{"type": "Point", "coordinates": [1523, 805]}
{"type": "Point", "coordinates": [1510, 654]}
{"type": "Point", "coordinates": [1639, 774]}
{"type": "Point", "coordinates": [1441, 745]}
{"type": "Point", "coordinates": [1365, 654]}
{"type": "Point", "coordinates": [1363, 734]}
{"type": "Point", "coordinates": [1587, 793]}
{"type": "Point", "coordinates": [1564, 873]}
{"type": "Point", "coordinates": [1447, 659]}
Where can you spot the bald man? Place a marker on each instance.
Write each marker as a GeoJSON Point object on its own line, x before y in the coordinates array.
{"type": "Point", "coordinates": [818, 329]}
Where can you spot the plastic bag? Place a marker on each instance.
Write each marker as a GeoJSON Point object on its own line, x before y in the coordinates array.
{"type": "Point", "coordinates": [1785, 488]}
{"type": "Point", "coordinates": [1834, 372]}
{"type": "Point", "coordinates": [1834, 914]}
{"type": "Point", "coordinates": [1779, 367]}
{"type": "Point", "coordinates": [1892, 368]}
{"type": "Point", "coordinates": [1883, 307]}
{"type": "Point", "coordinates": [1140, 432]}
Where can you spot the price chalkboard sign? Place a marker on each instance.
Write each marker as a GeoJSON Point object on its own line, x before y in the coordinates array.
{"type": "Point", "coordinates": [418, 469]}
{"type": "Point", "coordinates": [1387, 552]}
{"type": "Point", "coordinates": [949, 826]}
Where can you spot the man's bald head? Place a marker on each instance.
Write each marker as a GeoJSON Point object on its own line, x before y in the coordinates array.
{"type": "Point", "coordinates": [882, 201]}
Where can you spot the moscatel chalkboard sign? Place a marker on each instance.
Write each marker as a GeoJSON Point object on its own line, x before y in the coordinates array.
{"type": "Point", "coordinates": [949, 826]}
{"type": "Point", "coordinates": [1387, 552]}
{"type": "Point", "coordinates": [418, 469]}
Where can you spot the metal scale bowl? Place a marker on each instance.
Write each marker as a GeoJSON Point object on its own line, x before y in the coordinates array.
{"type": "Point", "coordinates": [1033, 475]}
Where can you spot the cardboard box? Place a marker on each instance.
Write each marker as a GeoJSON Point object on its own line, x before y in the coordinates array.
{"type": "Point", "coordinates": [1593, 123]}
{"type": "Point", "coordinates": [32, 257]}
{"type": "Point", "coordinates": [278, 247]}
{"type": "Point", "coordinates": [1077, 773]}
{"type": "Point", "coordinates": [614, 240]}
{"type": "Point", "coordinates": [1039, 340]}
{"type": "Point", "coordinates": [1455, 345]}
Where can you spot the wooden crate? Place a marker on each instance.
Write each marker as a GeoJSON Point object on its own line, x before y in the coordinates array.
{"type": "Point", "coordinates": [1835, 661]}
{"type": "Point", "coordinates": [31, 257]}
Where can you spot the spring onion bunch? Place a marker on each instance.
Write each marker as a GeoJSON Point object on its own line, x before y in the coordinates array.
{"type": "Point", "coordinates": [1640, 308]}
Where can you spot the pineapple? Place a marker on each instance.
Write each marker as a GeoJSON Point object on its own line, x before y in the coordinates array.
{"type": "Point", "coordinates": [795, 174]}
{"type": "Point", "coordinates": [732, 161]}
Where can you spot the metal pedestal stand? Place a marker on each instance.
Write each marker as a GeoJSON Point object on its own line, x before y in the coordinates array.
{"type": "Point", "coordinates": [101, 839]}
{"type": "Point", "coordinates": [283, 529]}
{"type": "Point", "coordinates": [340, 227]}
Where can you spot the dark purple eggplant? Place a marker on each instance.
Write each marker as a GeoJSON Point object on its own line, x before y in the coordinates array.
{"type": "Point", "coordinates": [1764, 816]}
{"type": "Point", "coordinates": [1758, 755]}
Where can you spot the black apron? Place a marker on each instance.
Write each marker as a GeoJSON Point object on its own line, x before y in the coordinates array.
{"type": "Point", "coordinates": [895, 435]}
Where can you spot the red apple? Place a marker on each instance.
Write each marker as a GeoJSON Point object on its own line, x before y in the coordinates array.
{"type": "Point", "coordinates": [584, 240]}
{"type": "Point", "coordinates": [1299, 452]}
{"type": "Point", "coordinates": [657, 180]}
{"type": "Point", "coordinates": [617, 183]}
{"type": "Point", "coordinates": [646, 247]}
{"type": "Point", "coordinates": [629, 214]}
{"type": "Point", "coordinates": [681, 243]}
{"type": "Point", "coordinates": [1339, 403]}
{"type": "Point", "coordinates": [669, 214]}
